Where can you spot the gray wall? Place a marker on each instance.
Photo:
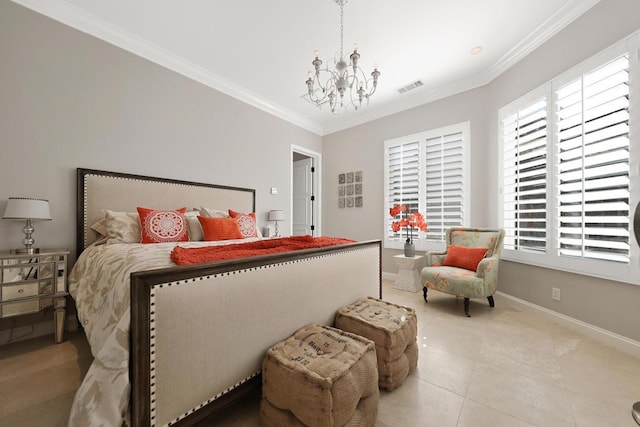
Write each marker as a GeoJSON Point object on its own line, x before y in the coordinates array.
{"type": "Point", "coordinates": [362, 148]}
{"type": "Point", "coordinates": [69, 100]}
{"type": "Point", "coordinates": [606, 304]}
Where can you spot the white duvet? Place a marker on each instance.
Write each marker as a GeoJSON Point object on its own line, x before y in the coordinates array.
{"type": "Point", "coordinates": [99, 284]}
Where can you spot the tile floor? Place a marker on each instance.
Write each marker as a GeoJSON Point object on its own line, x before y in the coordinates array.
{"type": "Point", "coordinates": [501, 367]}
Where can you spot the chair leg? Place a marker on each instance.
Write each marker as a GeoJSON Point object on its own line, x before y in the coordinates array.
{"type": "Point", "coordinates": [424, 293]}
{"type": "Point", "coordinates": [491, 302]}
{"type": "Point", "coordinates": [466, 307]}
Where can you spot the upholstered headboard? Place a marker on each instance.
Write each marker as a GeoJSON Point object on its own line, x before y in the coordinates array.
{"type": "Point", "coordinates": [99, 190]}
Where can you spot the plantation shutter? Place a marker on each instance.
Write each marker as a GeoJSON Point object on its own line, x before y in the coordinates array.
{"type": "Point", "coordinates": [525, 178]}
{"type": "Point", "coordinates": [444, 177]}
{"type": "Point", "coordinates": [403, 168]}
{"type": "Point", "coordinates": [593, 164]}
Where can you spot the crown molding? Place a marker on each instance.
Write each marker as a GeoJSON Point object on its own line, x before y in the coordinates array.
{"type": "Point", "coordinates": [421, 97]}
{"type": "Point", "coordinates": [550, 27]}
{"type": "Point", "coordinates": [565, 15]}
{"type": "Point", "coordinates": [75, 17]}
{"type": "Point", "coordinates": [85, 22]}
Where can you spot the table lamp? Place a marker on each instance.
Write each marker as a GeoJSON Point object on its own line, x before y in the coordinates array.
{"type": "Point", "coordinates": [276, 216]}
{"type": "Point", "coordinates": [24, 208]}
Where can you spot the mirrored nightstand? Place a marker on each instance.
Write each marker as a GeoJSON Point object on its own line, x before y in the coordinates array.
{"type": "Point", "coordinates": [31, 282]}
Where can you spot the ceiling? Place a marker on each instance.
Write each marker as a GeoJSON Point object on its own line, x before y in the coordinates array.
{"type": "Point", "coordinates": [260, 51]}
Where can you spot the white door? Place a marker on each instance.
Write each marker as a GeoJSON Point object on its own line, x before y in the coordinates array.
{"type": "Point", "coordinates": [302, 220]}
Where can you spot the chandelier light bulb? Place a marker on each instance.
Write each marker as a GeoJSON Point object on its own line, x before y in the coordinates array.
{"type": "Point", "coordinates": [346, 78]}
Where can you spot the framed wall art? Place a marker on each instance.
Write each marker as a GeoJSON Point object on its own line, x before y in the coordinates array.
{"type": "Point", "coordinates": [350, 190]}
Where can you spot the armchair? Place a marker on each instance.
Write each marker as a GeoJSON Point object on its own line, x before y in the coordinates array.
{"type": "Point", "coordinates": [465, 270]}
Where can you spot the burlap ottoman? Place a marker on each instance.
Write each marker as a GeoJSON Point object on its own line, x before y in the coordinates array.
{"type": "Point", "coordinates": [320, 376]}
{"type": "Point", "coordinates": [393, 328]}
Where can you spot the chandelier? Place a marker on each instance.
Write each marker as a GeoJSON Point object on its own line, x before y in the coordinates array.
{"type": "Point", "coordinates": [344, 79]}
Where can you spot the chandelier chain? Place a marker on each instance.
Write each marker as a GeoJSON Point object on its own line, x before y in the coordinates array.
{"type": "Point", "coordinates": [342, 2]}
{"type": "Point", "coordinates": [345, 78]}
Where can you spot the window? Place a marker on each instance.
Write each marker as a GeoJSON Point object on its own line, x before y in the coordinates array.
{"type": "Point", "coordinates": [427, 173]}
{"type": "Point", "coordinates": [525, 177]}
{"type": "Point", "coordinates": [592, 164]}
{"type": "Point", "coordinates": [566, 163]}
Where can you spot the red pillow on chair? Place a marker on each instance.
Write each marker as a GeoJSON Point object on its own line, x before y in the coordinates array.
{"type": "Point", "coordinates": [463, 257]}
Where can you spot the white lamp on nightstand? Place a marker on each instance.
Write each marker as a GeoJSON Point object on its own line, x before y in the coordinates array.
{"type": "Point", "coordinates": [276, 216]}
{"type": "Point", "coordinates": [24, 208]}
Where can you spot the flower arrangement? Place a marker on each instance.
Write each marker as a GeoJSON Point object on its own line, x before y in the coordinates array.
{"type": "Point", "coordinates": [409, 221]}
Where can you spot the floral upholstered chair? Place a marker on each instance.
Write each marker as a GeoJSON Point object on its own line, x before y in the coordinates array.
{"type": "Point", "coordinates": [469, 266]}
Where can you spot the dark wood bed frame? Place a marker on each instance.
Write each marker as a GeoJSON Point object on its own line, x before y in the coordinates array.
{"type": "Point", "coordinates": [142, 284]}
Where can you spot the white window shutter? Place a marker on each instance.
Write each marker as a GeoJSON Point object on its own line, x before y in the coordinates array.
{"type": "Point", "coordinates": [592, 119]}
{"type": "Point", "coordinates": [524, 182]}
{"type": "Point", "coordinates": [403, 182]}
{"type": "Point", "coordinates": [444, 177]}
{"type": "Point", "coordinates": [427, 173]}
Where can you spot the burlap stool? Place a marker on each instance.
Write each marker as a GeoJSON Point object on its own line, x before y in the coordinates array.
{"type": "Point", "coordinates": [393, 328]}
{"type": "Point", "coordinates": [320, 376]}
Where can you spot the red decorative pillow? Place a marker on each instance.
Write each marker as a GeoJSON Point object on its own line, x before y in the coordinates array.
{"type": "Point", "coordinates": [220, 228]}
{"type": "Point", "coordinates": [462, 257]}
{"type": "Point", "coordinates": [163, 226]}
{"type": "Point", "coordinates": [246, 222]}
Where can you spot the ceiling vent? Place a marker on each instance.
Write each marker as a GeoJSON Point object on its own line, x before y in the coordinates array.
{"type": "Point", "coordinates": [410, 86]}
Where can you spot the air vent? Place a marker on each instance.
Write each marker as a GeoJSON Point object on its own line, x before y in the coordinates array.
{"type": "Point", "coordinates": [410, 86]}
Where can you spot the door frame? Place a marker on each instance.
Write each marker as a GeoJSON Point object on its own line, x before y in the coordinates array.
{"type": "Point", "coordinates": [317, 187]}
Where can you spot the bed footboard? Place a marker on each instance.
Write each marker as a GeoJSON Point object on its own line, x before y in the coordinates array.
{"type": "Point", "coordinates": [199, 333]}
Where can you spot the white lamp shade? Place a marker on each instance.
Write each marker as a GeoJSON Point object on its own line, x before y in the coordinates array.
{"type": "Point", "coordinates": [26, 208]}
{"type": "Point", "coordinates": [276, 215]}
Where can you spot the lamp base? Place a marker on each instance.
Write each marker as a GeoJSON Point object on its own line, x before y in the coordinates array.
{"type": "Point", "coordinates": [27, 251]}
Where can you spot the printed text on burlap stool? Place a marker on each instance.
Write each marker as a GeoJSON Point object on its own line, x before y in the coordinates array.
{"type": "Point", "coordinates": [393, 328]}
{"type": "Point", "coordinates": [320, 376]}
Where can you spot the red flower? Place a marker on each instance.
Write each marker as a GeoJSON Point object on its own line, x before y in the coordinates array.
{"type": "Point", "coordinates": [417, 220]}
{"type": "Point", "coordinates": [414, 219]}
{"type": "Point", "coordinates": [396, 209]}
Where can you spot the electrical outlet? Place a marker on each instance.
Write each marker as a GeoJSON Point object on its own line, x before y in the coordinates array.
{"type": "Point", "coordinates": [555, 294]}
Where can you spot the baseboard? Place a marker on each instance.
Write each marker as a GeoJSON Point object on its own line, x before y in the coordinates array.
{"type": "Point", "coordinates": [388, 276]}
{"type": "Point", "coordinates": [612, 339]}
{"type": "Point", "coordinates": [40, 329]}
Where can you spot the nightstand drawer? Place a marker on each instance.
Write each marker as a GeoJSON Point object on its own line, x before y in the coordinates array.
{"type": "Point", "coordinates": [21, 307]}
{"type": "Point", "coordinates": [22, 290]}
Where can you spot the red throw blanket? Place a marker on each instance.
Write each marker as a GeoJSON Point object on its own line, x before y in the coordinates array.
{"type": "Point", "coordinates": [188, 256]}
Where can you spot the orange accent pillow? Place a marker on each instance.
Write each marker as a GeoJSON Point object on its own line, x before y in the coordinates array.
{"type": "Point", "coordinates": [219, 228]}
{"type": "Point", "coordinates": [463, 257]}
{"type": "Point", "coordinates": [246, 222]}
{"type": "Point", "coordinates": [163, 226]}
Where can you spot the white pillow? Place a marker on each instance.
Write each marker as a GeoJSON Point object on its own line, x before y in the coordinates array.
{"type": "Point", "coordinates": [195, 229]}
{"type": "Point", "coordinates": [213, 213]}
{"type": "Point", "coordinates": [123, 227]}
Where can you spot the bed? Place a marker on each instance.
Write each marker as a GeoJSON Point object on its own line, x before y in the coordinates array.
{"type": "Point", "coordinates": [173, 345]}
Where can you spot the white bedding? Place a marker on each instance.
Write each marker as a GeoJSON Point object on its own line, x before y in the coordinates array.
{"type": "Point", "coordinates": [99, 283]}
